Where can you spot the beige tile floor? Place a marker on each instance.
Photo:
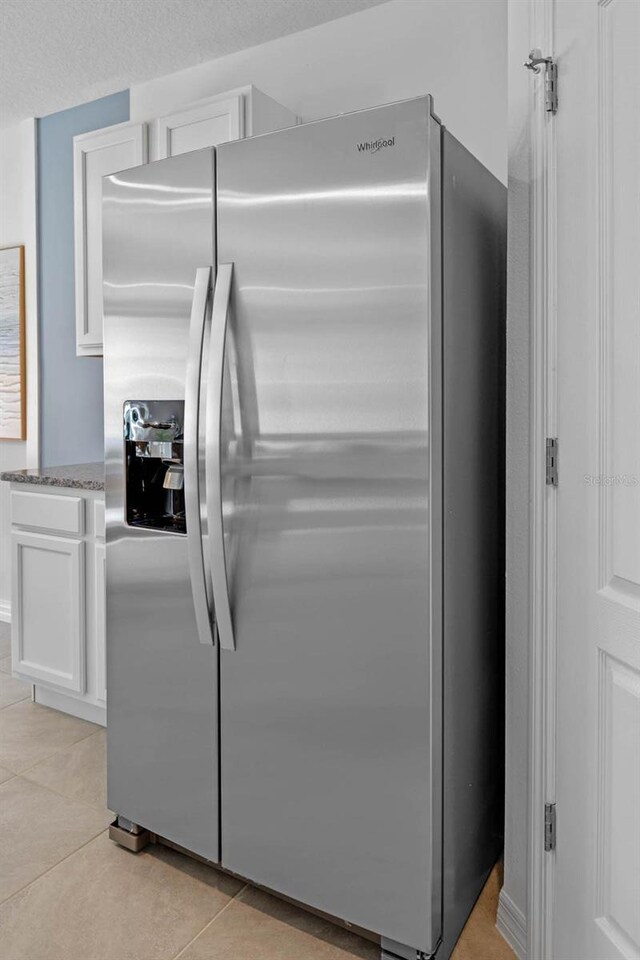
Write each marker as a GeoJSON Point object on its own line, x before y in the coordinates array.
{"type": "Point", "coordinates": [68, 893]}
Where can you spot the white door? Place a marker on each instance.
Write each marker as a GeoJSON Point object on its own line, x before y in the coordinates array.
{"type": "Point", "coordinates": [597, 876]}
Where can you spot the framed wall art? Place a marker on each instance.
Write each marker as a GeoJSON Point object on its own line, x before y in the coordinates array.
{"type": "Point", "coordinates": [13, 407]}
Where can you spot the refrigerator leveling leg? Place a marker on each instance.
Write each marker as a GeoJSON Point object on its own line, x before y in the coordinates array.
{"type": "Point", "coordinates": [129, 835]}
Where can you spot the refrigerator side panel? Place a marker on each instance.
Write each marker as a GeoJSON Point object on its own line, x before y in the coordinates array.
{"type": "Point", "coordinates": [161, 681]}
{"type": "Point", "coordinates": [331, 701]}
{"type": "Point", "coordinates": [474, 274]}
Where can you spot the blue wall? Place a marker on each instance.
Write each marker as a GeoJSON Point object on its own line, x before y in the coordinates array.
{"type": "Point", "coordinates": [71, 402]}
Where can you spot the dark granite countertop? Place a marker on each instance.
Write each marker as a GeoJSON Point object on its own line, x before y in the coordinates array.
{"type": "Point", "coordinates": [80, 476]}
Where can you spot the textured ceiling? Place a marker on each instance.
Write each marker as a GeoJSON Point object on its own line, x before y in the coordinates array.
{"type": "Point", "coordinates": [57, 53]}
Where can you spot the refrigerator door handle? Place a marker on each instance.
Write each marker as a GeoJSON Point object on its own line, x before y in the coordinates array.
{"type": "Point", "coordinates": [219, 316]}
{"type": "Point", "coordinates": [197, 326]}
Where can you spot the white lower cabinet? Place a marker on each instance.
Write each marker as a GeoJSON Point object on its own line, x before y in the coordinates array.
{"type": "Point", "coordinates": [58, 603]}
{"type": "Point", "coordinates": [48, 609]}
{"type": "Point", "coordinates": [100, 621]}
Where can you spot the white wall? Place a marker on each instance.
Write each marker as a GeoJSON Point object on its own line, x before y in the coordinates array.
{"type": "Point", "coordinates": [453, 49]}
{"type": "Point", "coordinates": [515, 893]}
{"type": "Point", "coordinates": [18, 226]}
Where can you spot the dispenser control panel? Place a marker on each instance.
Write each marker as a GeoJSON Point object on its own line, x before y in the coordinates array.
{"type": "Point", "coordinates": [153, 434]}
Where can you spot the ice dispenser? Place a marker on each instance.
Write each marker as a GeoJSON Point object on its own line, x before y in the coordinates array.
{"type": "Point", "coordinates": [154, 464]}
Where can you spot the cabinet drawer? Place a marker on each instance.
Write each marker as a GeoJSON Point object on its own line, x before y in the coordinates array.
{"type": "Point", "coordinates": [48, 512]}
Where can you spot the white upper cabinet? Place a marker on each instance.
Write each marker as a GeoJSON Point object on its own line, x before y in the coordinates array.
{"type": "Point", "coordinates": [95, 155]}
{"type": "Point", "coordinates": [243, 112]}
{"type": "Point", "coordinates": [204, 124]}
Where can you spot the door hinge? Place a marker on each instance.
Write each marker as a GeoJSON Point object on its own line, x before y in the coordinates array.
{"type": "Point", "coordinates": [552, 461]}
{"type": "Point", "coordinates": [534, 63]}
{"type": "Point", "coordinates": [549, 827]}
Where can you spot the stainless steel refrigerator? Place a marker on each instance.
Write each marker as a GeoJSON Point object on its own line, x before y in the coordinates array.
{"type": "Point", "coordinates": [304, 391]}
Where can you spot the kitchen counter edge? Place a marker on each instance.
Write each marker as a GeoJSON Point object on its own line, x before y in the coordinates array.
{"type": "Point", "coordinates": [77, 476]}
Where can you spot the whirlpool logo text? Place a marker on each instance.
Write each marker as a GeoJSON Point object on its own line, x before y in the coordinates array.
{"type": "Point", "coordinates": [373, 146]}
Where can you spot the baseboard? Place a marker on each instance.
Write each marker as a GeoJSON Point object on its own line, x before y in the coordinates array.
{"type": "Point", "coordinates": [5, 611]}
{"type": "Point", "coordinates": [512, 924]}
{"type": "Point", "coordinates": [72, 705]}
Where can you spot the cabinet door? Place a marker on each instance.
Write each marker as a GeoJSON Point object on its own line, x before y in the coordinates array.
{"type": "Point", "coordinates": [49, 610]}
{"type": "Point", "coordinates": [203, 124]}
{"type": "Point", "coordinates": [100, 625]}
{"type": "Point", "coordinates": [96, 155]}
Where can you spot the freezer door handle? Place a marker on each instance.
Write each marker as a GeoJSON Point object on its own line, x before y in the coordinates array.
{"type": "Point", "coordinates": [200, 308]}
{"type": "Point", "coordinates": [219, 316]}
